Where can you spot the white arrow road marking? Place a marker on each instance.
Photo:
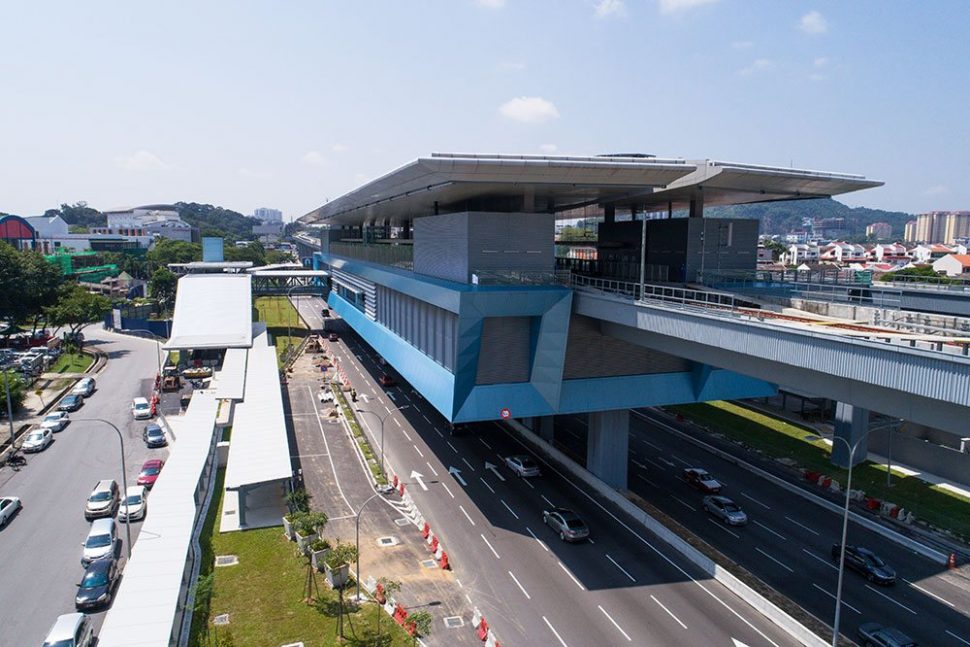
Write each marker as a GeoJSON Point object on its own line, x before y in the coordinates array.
{"type": "Point", "coordinates": [454, 471]}
{"type": "Point", "coordinates": [738, 643]}
{"type": "Point", "coordinates": [494, 468]}
{"type": "Point", "coordinates": [418, 476]}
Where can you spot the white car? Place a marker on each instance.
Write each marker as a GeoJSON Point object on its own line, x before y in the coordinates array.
{"type": "Point", "coordinates": [522, 465]}
{"type": "Point", "coordinates": [141, 409]}
{"type": "Point", "coordinates": [85, 387]}
{"type": "Point", "coordinates": [135, 505]}
{"type": "Point", "coordinates": [55, 420]}
{"type": "Point", "coordinates": [8, 508]}
{"type": "Point", "coordinates": [38, 440]}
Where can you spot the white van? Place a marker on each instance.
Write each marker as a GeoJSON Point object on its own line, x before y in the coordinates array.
{"type": "Point", "coordinates": [100, 542]}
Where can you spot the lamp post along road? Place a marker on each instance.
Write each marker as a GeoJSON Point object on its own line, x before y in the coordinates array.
{"type": "Point", "coordinates": [6, 385]}
{"type": "Point", "coordinates": [382, 419]}
{"type": "Point", "coordinates": [158, 340]}
{"type": "Point", "coordinates": [357, 523]}
{"type": "Point", "coordinates": [289, 295]}
{"type": "Point", "coordinates": [124, 475]}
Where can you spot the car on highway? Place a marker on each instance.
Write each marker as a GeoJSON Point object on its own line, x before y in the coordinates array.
{"type": "Point", "coordinates": [100, 541]}
{"type": "Point", "coordinates": [867, 563]}
{"type": "Point", "coordinates": [150, 470]}
{"type": "Point", "coordinates": [135, 505]}
{"type": "Point", "coordinates": [70, 630]}
{"type": "Point", "coordinates": [386, 380]}
{"type": "Point", "coordinates": [38, 440]}
{"type": "Point", "coordinates": [522, 465]}
{"type": "Point", "coordinates": [702, 480]}
{"type": "Point", "coordinates": [873, 634]}
{"type": "Point", "coordinates": [9, 506]}
{"type": "Point", "coordinates": [98, 583]}
{"type": "Point", "coordinates": [141, 409]}
{"type": "Point", "coordinates": [567, 523]}
{"type": "Point", "coordinates": [102, 501]}
{"type": "Point", "coordinates": [70, 402]}
{"type": "Point", "coordinates": [84, 387]}
{"type": "Point", "coordinates": [55, 420]}
{"type": "Point", "coordinates": [333, 336]}
{"type": "Point", "coordinates": [725, 509]}
{"type": "Point", "coordinates": [154, 436]}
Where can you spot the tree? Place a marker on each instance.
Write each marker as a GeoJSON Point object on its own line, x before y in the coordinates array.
{"type": "Point", "coordinates": [275, 257]}
{"type": "Point", "coordinates": [217, 221]}
{"type": "Point", "coordinates": [168, 251]}
{"type": "Point", "coordinates": [18, 391]}
{"type": "Point", "coordinates": [162, 286]}
{"type": "Point", "coordinates": [421, 621]}
{"type": "Point", "coordinates": [79, 214]}
{"type": "Point", "coordinates": [40, 284]}
{"type": "Point", "coordinates": [385, 587]}
{"type": "Point", "coordinates": [76, 308]}
{"type": "Point", "coordinates": [253, 252]}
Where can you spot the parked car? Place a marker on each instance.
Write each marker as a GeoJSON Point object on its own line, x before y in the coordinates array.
{"type": "Point", "coordinates": [70, 402]}
{"type": "Point", "coordinates": [102, 501]}
{"type": "Point", "coordinates": [702, 480]}
{"type": "Point", "coordinates": [150, 470]}
{"type": "Point", "coordinates": [38, 440]}
{"type": "Point", "coordinates": [135, 505]}
{"type": "Point", "coordinates": [9, 506]}
{"type": "Point", "coordinates": [333, 336]}
{"type": "Point", "coordinates": [98, 583]}
{"type": "Point", "coordinates": [567, 523]}
{"type": "Point", "coordinates": [100, 542]}
{"type": "Point", "coordinates": [56, 420]}
{"type": "Point", "coordinates": [154, 436]}
{"type": "Point", "coordinates": [70, 630]}
{"type": "Point", "coordinates": [873, 634]}
{"type": "Point", "coordinates": [726, 510]}
{"type": "Point", "coordinates": [867, 563]}
{"type": "Point", "coordinates": [386, 380]}
{"type": "Point", "coordinates": [141, 409]}
{"type": "Point", "coordinates": [522, 465]}
{"type": "Point", "coordinates": [85, 387]}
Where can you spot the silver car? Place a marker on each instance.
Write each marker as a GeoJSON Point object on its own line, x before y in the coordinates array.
{"type": "Point", "coordinates": [38, 440]}
{"type": "Point", "coordinates": [726, 510]}
{"type": "Point", "coordinates": [567, 523]}
{"type": "Point", "coordinates": [9, 505]}
{"type": "Point", "coordinates": [56, 420]}
{"type": "Point", "coordinates": [522, 465]}
{"type": "Point", "coordinates": [134, 505]}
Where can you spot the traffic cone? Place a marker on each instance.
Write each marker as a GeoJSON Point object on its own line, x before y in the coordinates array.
{"type": "Point", "coordinates": [951, 563]}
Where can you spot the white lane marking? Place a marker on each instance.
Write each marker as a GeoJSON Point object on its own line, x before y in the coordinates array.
{"type": "Point", "coordinates": [571, 576]}
{"type": "Point", "coordinates": [929, 593]}
{"type": "Point", "coordinates": [387, 408]}
{"type": "Point", "coordinates": [776, 534]}
{"type": "Point", "coordinates": [639, 464]}
{"type": "Point", "coordinates": [459, 583]}
{"type": "Point", "coordinates": [632, 579]}
{"type": "Point", "coordinates": [526, 481]}
{"type": "Point", "coordinates": [469, 599]}
{"type": "Point", "coordinates": [824, 561]}
{"type": "Point", "coordinates": [373, 390]}
{"type": "Point", "coordinates": [896, 602]}
{"type": "Point", "coordinates": [844, 603]}
{"type": "Point", "coordinates": [468, 464]}
{"type": "Point", "coordinates": [418, 476]}
{"type": "Point", "coordinates": [547, 500]}
{"type": "Point", "coordinates": [508, 508]}
{"type": "Point", "coordinates": [418, 450]}
{"type": "Point", "coordinates": [425, 418]}
{"type": "Point", "coordinates": [654, 463]}
{"type": "Point", "coordinates": [669, 612]}
{"type": "Point", "coordinates": [447, 489]}
{"type": "Point", "coordinates": [486, 485]}
{"type": "Point", "coordinates": [490, 547]}
{"type": "Point", "coordinates": [398, 423]}
{"type": "Point", "coordinates": [647, 442]}
{"type": "Point", "coordinates": [724, 528]}
{"type": "Point", "coordinates": [683, 503]}
{"type": "Point", "coordinates": [467, 516]}
{"type": "Point", "coordinates": [554, 632]}
{"type": "Point", "coordinates": [521, 588]}
{"type": "Point", "coordinates": [751, 498]}
{"type": "Point", "coordinates": [438, 431]}
{"type": "Point", "coordinates": [802, 526]}
{"type": "Point", "coordinates": [327, 445]}
{"type": "Point", "coordinates": [782, 564]}
{"type": "Point", "coordinates": [406, 396]}
{"type": "Point", "coordinates": [541, 543]}
{"type": "Point", "coordinates": [641, 476]}
{"type": "Point", "coordinates": [680, 460]}
{"type": "Point", "coordinates": [666, 461]}
{"type": "Point", "coordinates": [452, 447]}
{"type": "Point", "coordinates": [618, 627]}
{"type": "Point", "coordinates": [965, 642]}
{"type": "Point", "coordinates": [406, 434]}
{"type": "Point", "coordinates": [391, 396]}
{"type": "Point", "coordinates": [590, 540]}
{"type": "Point", "coordinates": [433, 470]}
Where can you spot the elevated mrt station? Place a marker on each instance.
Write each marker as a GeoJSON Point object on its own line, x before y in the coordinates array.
{"type": "Point", "coordinates": [447, 267]}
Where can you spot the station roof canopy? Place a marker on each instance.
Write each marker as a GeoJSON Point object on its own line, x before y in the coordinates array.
{"type": "Point", "coordinates": [455, 182]}
{"type": "Point", "coordinates": [212, 311]}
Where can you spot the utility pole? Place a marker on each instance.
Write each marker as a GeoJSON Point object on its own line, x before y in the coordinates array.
{"type": "Point", "coordinates": [6, 384]}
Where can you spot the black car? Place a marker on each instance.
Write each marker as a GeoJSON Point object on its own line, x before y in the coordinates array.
{"type": "Point", "coordinates": [866, 562]}
{"type": "Point", "coordinates": [97, 585]}
{"type": "Point", "coordinates": [154, 436]}
{"type": "Point", "coordinates": [876, 635]}
{"type": "Point", "coordinates": [71, 402]}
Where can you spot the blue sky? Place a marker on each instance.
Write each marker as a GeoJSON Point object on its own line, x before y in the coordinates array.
{"type": "Point", "coordinates": [286, 104]}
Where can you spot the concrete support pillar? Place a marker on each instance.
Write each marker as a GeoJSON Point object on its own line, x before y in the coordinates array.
{"type": "Point", "coordinates": [545, 428]}
{"type": "Point", "coordinates": [241, 513]}
{"type": "Point", "coordinates": [607, 446]}
{"type": "Point", "coordinates": [697, 206]}
{"type": "Point", "coordinates": [670, 209]}
{"type": "Point", "coordinates": [633, 212]}
{"type": "Point", "coordinates": [406, 230]}
{"type": "Point", "coordinates": [851, 424]}
{"type": "Point", "coordinates": [609, 213]}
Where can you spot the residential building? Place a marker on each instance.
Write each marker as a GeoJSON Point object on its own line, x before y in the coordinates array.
{"type": "Point", "coordinates": [52, 235]}
{"type": "Point", "coordinates": [801, 253]}
{"type": "Point", "coordinates": [953, 264]}
{"type": "Point", "coordinates": [17, 231]}
{"type": "Point", "coordinates": [909, 232]}
{"type": "Point", "coordinates": [942, 226]}
{"type": "Point", "coordinates": [842, 253]}
{"type": "Point", "coordinates": [923, 254]}
{"type": "Point", "coordinates": [957, 226]}
{"type": "Point", "coordinates": [268, 232]}
{"type": "Point", "coordinates": [879, 230]}
{"type": "Point", "coordinates": [266, 215]}
{"type": "Point", "coordinates": [150, 220]}
{"type": "Point", "coordinates": [889, 253]}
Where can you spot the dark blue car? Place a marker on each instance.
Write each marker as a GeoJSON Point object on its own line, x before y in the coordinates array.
{"type": "Point", "coordinates": [96, 586]}
{"type": "Point", "coordinates": [71, 402]}
{"type": "Point", "coordinates": [866, 562]}
{"type": "Point", "coordinates": [154, 436]}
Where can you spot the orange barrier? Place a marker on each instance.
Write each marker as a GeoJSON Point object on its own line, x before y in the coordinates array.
{"type": "Point", "coordinates": [951, 563]}
{"type": "Point", "coordinates": [445, 566]}
{"type": "Point", "coordinates": [483, 629]}
{"type": "Point", "coordinates": [425, 530]}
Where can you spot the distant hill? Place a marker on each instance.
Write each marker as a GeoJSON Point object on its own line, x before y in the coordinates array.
{"type": "Point", "coordinates": [216, 221]}
{"type": "Point", "coordinates": [791, 215]}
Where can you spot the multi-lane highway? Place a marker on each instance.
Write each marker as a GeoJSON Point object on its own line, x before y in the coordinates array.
{"type": "Point", "coordinates": [41, 546]}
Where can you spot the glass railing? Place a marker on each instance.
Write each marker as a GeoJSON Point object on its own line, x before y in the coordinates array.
{"type": "Point", "coordinates": [401, 256]}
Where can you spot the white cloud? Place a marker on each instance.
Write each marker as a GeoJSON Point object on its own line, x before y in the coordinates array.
{"type": "Point", "coordinates": [937, 189]}
{"type": "Point", "coordinates": [821, 61]}
{"type": "Point", "coordinates": [817, 77]}
{"type": "Point", "coordinates": [314, 158]}
{"type": "Point", "coordinates": [142, 161]}
{"type": "Point", "coordinates": [742, 44]}
{"type": "Point", "coordinates": [606, 8]}
{"type": "Point", "coordinates": [529, 109]}
{"type": "Point", "coordinates": [675, 6]}
{"type": "Point", "coordinates": [490, 4]}
{"type": "Point", "coordinates": [759, 65]}
{"type": "Point", "coordinates": [813, 23]}
{"type": "Point", "coordinates": [548, 148]}
{"type": "Point", "coordinates": [340, 148]}
{"type": "Point", "coordinates": [516, 66]}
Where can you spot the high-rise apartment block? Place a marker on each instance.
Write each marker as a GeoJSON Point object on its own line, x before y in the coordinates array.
{"type": "Point", "coordinates": [880, 230]}
{"type": "Point", "coordinates": [942, 226]}
{"type": "Point", "coordinates": [909, 232]}
{"type": "Point", "coordinates": [265, 214]}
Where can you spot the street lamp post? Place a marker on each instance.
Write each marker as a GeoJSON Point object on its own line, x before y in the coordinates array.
{"type": "Point", "coordinates": [124, 474]}
{"type": "Point", "coordinates": [382, 419]}
{"type": "Point", "coordinates": [289, 339]}
{"type": "Point", "coordinates": [158, 340]}
{"type": "Point", "coordinates": [6, 385]}
{"type": "Point", "coordinates": [357, 523]}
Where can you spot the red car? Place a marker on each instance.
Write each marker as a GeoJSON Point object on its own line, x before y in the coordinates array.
{"type": "Point", "coordinates": [702, 480]}
{"type": "Point", "coordinates": [150, 471]}
{"type": "Point", "coordinates": [386, 380]}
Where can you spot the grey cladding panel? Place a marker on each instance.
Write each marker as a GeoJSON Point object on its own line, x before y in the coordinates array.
{"type": "Point", "coordinates": [430, 329]}
{"type": "Point", "coordinates": [505, 354]}
{"type": "Point", "coordinates": [591, 354]}
{"type": "Point", "coordinates": [441, 246]}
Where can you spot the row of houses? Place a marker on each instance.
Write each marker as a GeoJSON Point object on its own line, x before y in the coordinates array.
{"type": "Point", "coordinates": [951, 260]}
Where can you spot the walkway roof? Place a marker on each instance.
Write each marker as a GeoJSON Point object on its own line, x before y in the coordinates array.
{"type": "Point", "coordinates": [212, 311]}
{"type": "Point", "coordinates": [559, 183]}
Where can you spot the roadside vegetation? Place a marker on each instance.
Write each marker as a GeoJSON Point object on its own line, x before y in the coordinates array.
{"type": "Point", "coordinates": [282, 322]}
{"type": "Point", "coordinates": [71, 363]}
{"type": "Point", "coordinates": [781, 439]}
{"type": "Point", "coordinates": [373, 462]}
